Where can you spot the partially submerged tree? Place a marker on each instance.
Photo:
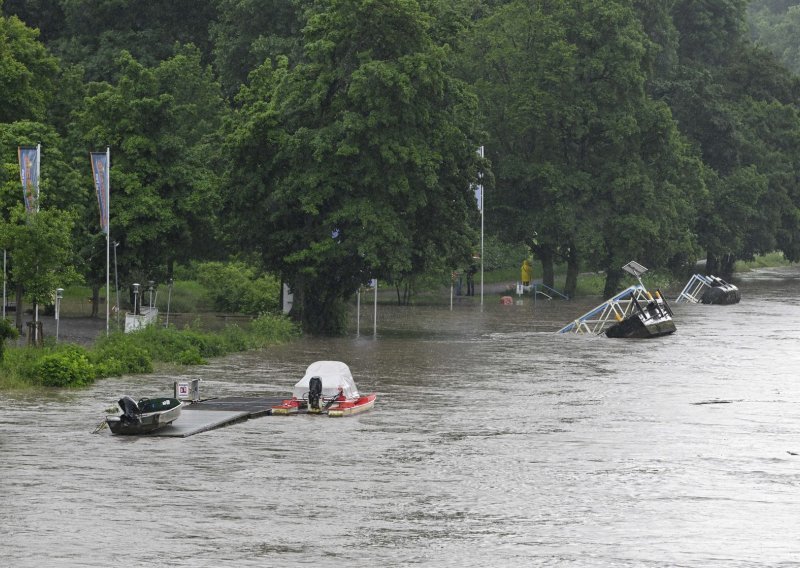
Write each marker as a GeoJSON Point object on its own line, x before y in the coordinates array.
{"type": "Point", "coordinates": [357, 163]}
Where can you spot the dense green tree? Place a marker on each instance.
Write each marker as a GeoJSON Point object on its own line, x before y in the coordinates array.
{"type": "Point", "coordinates": [60, 184]}
{"type": "Point", "coordinates": [41, 245]}
{"type": "Point", "coordinates": [588, 166]}
{"type": "Point", "coordinates": [94, 33]}
{"type": "Point", "coordinates": [27, 72]}
{"type": "Point", "coordinates": [162, 192]}
{"type": "Point", "coordinates": [739, 107]}
{"type": "Point", "coordinates": [248, 32]}
{"type": "Point", "coordinates": [776, 26]}
{"type": "Point", "coordinates": [357, 162]}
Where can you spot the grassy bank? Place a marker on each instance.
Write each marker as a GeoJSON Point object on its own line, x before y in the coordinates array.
{"type": "Point", "coordinates": [69, 365]}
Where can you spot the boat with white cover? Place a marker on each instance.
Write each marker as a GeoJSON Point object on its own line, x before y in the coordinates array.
{"type": "Point", "coordinates": [327, 387]}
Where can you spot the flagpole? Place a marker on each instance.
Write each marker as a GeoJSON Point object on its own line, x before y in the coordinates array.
{"type": "Point", "coordinates": [38, 172]}
{"type": "Point", "coordinates": [36, 337]}
{"type": "Point", "coordinates": [483, 203]}
{"type": "Point", "coordinates": [108, 236]}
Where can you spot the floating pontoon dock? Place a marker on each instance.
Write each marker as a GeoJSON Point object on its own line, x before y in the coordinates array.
{"type": "Point", "coordinates": [217, 412]}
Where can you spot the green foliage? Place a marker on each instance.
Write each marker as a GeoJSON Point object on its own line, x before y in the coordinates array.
{"type": "Point", "coordinates": [115, 355]}
{"type": "Point", "coordinates": [27, 72]}
{"type": "Point", "coordinates": [41, 247]}
{"type": "Point", "coordinates": [7, 331]}
{"type": "Point", "coordinates": [356, 162]}
{"type": "Point", "coordinates": [69, 366]}
{"type": "Point", "coordinates": [157, 121]}
{"type": "Point", "coordinates": [236, 287]}
{"type": "Point", "coordinates": [188, 296]}
{"type": "Point", "coordinates": [271, 328]}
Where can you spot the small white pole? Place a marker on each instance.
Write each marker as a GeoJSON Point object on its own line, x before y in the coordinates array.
{"type": "Point", "coordinates": [59, 295]}
{"type": "Point", "coordinates": [451, 292]}
{"type": "Point", "coordinates": [169, 297]}
{"type": "Point", "coordinates": [358, 311]}
{"type": "Point", "coordinates": [375, 310]}
{"type": "Point", "coordinates": [116, 284]}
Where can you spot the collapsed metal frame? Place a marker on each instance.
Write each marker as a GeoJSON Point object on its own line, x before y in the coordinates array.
{"type": "Point", "coordinates": [693, 291]}
{"type": "Point", "coordinates": [618, 307]}
{"type": "Point", "coordinates": [609, 312]}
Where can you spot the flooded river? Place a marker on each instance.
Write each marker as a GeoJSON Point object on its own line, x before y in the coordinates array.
{"type": "Point", "coordinates": [494, 442]}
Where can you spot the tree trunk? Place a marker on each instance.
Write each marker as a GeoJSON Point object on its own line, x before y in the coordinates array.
{"type": "Point", "coordinates": [19, 308]}
{"type": "Point", "coordinates": [613, 279]}
{"type": "Point", "coordinates": [95, 300]}
{"type": "Point", "coordinates": [548, 271]}
{"type": "Point", "coordinates": [727, 265]}
{"type": "Point", "coordinates": [573, 268]}
{"type": "Point", "coordinates": [712, 264]}
{"type": "Point", "coordinates": [546, 255]}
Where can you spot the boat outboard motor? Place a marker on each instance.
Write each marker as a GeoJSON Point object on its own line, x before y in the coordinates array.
{"type": "Point", "coordinates": [314, 392]}
{"type": "Point", "coordinates": [130, 410]}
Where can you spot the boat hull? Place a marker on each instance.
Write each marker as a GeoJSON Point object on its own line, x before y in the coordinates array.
{"type": "Point", "coordinates": [337, 409]}
{"type": "Point", "coordinates": [363, 404]}
{"type": "Point", "coordinates": [148, 422]}
{"type": "Point", "coordinates": [633, 327]}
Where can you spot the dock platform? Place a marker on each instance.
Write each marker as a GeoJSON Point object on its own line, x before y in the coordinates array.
{"type": "Point", "coordinates": [217, 412]}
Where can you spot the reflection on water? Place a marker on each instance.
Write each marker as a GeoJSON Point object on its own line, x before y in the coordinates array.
{"type": "Point", "coordinates": [494, 442]}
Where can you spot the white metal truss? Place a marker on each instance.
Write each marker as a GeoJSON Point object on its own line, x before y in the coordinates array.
{"type": "Point", "coordinates": [693, 291]}
{"type": "Point", "coordinates": [612, 310]}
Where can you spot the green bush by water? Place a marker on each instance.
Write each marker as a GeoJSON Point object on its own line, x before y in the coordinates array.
{"type": "Point", "coordinates": [68, 365]}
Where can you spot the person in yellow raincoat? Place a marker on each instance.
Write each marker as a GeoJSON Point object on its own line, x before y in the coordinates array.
{"type": "Point", "coordinates": [526, 272]}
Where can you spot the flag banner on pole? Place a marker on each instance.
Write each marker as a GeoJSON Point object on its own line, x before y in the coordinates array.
{"type": "Point", "coordinates": [29, 175]}
{"type": "Point", "coordinates": [479, 187]}
{"type": "Point", "coordinates": [479, 196]}
{"type": "Point", "coordinates": [101, 182]}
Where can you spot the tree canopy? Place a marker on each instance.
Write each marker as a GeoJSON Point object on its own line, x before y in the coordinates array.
{"type": "Point", "coordinates": [335, 141]}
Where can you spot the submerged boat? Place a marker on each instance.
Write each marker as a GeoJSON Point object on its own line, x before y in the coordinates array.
{"type": "Point", "coordinates": [720, 292]}
{"type": "Point", "coordinates": [326, 388]}
{"type": "Point", "coordinates": [709, 289]}
{"type": "Point", "coordinates": [634, 313]}
{"type": "Point", "coordinates": [145, 416]}
{"type": "Point", "coordinates": [654, 319]}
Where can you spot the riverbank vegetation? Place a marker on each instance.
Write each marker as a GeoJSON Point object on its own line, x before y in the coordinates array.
{"type": "Point", "coordinates": [324, 143]}
{"type": "Point", "coordinates": [70, 365]}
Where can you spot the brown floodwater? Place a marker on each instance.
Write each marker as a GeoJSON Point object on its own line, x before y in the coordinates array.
{"type": "Point", "coordinates": [494, 442]}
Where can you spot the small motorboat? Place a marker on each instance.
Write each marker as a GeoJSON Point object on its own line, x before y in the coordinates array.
{"type": "Point", "coordinates": [326, 388]}
{"type": "Point", "coordinates": [145, 416]}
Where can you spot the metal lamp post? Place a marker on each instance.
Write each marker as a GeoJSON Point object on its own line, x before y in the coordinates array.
{"type": "Point", "coordinates": [59, 295]}
{"type": "Point", "coordinates": [135, 297]}
{"type": "Point", "coordinates": [151, 286]}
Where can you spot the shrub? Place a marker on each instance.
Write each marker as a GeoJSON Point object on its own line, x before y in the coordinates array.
{"type": "Point", "coordinates": [236, 287]}
{"type": "Point", "coordinates": [271, 328]}
{"type": "Point", "coordinates": [7, 331]}
{"type": "Point", "coordinates": [191, 356]}
{"type": "Point", "coordinates": [117, 356]}
{"type": "Point", "coordinates": [67, 367]}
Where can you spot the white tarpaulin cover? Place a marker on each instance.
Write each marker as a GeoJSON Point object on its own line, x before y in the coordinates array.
{"type": "Point", "coordinates": [335, 375]}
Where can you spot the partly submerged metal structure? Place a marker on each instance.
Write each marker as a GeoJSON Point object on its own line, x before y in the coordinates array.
{"type": "Point", "coordinates": [633, 313]}
{"type": "Point", "coordinates": [709, 290]}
